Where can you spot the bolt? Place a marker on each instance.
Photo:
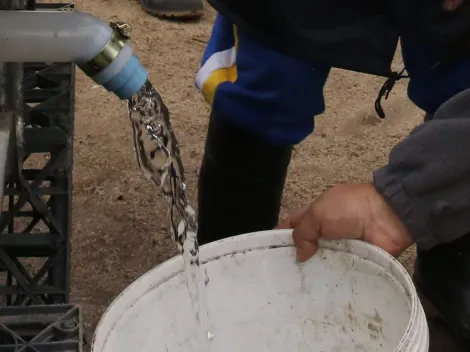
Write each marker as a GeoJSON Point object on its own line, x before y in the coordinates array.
{"type": "Point", "coordinates": [123, 29]}
{"type": "Point", "coordinates": [68, 325]}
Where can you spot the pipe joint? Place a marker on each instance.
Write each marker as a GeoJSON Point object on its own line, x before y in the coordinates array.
{"type": "Point", "coordinates": [119, 37]}
{"type": "Point", "coordinates": [116, 67]}
{"type": "Point", "coordinates": [100, 49]}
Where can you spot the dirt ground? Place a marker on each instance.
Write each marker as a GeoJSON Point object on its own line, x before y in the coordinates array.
{"type": "Point", "coordinates": [120, 227]}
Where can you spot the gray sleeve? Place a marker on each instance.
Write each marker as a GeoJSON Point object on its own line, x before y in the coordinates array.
{"type": "Point", "coordinates": [427, 178]}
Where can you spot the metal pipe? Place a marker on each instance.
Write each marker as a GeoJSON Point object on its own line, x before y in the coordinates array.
{"type": "Point", "coordinates": [6, 118]}
{"type": "Point", "coordinates": [11, 108]}
{"type": "Point", "coordinates": [7, 143]}
{"type": "Point", "coordinates": [98, 48]}
{"type": "Point", "coordinates": [49, 36]}
{"type": "Point", "coordinates": [3, 87]}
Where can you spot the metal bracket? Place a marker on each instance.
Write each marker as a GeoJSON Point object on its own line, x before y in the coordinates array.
{"type": "Point", "coordinates": [50, 328]}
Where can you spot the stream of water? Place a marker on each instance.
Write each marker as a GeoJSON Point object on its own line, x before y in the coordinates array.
{"type": "Point", "coordinates": [158, 156]}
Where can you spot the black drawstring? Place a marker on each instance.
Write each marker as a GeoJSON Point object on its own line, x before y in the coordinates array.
{"type": "Point", "coordinates": [386, 89]}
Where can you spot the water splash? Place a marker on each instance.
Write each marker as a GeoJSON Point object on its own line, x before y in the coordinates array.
{"type": "Point", "coordinates": [159, 157]}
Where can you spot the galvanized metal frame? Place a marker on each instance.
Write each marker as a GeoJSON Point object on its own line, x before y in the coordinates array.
{"type": "Point", "coordinates": [51, 328]}
{"type": "Point", "coordinates": [47, 109]}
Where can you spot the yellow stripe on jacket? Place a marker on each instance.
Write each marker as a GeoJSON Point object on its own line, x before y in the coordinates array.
{"type": "Point", "coordinates": [219, 68]}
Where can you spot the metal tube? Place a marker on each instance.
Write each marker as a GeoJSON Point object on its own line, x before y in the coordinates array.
{"type": "Point", "coordinates": [3, 87]}
{"type": "Point", "coordinates": [6, 119]}
{"type": "Point", "coordinates": [11, 107]}
{"type": "Point", "coordinates": [52, 36]}
{"type": "Point", "coordinates": [98, 48]}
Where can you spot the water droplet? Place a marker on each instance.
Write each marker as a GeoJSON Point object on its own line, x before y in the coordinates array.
{"type": "Point", "coordinates": [210, 335]}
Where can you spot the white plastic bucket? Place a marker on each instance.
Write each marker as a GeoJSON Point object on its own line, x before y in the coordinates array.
{"type": "Point", "coordinates": [350, 297]}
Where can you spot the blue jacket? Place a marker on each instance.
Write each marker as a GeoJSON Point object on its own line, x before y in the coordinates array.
{"type": "Point", "coordinates": [360, 35]}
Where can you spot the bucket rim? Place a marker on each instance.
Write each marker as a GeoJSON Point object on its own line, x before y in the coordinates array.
{"type": "Point", "coordinates": [245, 243]}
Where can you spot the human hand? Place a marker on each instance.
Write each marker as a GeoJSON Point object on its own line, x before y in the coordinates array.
{"type": "Point", "coordinates": [354, 211]}
{"type": "Point", "coordinates": [452, 5]}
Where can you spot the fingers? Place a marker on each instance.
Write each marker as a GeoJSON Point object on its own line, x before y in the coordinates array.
{"type": "Point", "coordinates": [286, 224]}
{"type": "Point", "coordinates": [306, 234]}
{"type": "Point", "coordinates": [452, 5]}
{"type": "Point", "coordinates": [293, 219]}
{"type": "Point", "coordinates": [306, 249]}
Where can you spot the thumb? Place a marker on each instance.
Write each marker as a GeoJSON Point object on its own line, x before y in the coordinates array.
{"type": "Point", "coordinates": [452, 5]}
{"type": "Point", "coordinates": [306, 233]}
{"type": "Point", "coordinates": [306, 250]}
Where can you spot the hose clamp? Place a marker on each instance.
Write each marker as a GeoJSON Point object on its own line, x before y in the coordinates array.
{"type": "Point", "coordinates": [121, 34]}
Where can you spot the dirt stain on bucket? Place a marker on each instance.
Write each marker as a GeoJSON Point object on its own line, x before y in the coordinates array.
{"type": "Point", "coordinates": [375, 326]}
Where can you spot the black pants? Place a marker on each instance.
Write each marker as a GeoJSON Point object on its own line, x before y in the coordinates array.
{"type": "Point", "coordinates": [240, 183]}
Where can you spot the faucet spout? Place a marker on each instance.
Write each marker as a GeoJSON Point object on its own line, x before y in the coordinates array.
{"type": "Point", "coordinates": [98, 48]}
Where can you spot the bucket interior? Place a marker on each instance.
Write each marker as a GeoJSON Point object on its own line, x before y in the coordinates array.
{"type": "Point", "coordinates": [261, 299]}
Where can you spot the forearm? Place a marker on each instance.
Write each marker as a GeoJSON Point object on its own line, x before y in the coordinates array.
{"type": "Point", "coordinates": [427, 179]}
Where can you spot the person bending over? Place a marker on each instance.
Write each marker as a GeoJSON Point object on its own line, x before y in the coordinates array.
{"type": "Point", "coordinates": [421, 196]}
{"type": "Point", "coordinates": [263, 72]}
